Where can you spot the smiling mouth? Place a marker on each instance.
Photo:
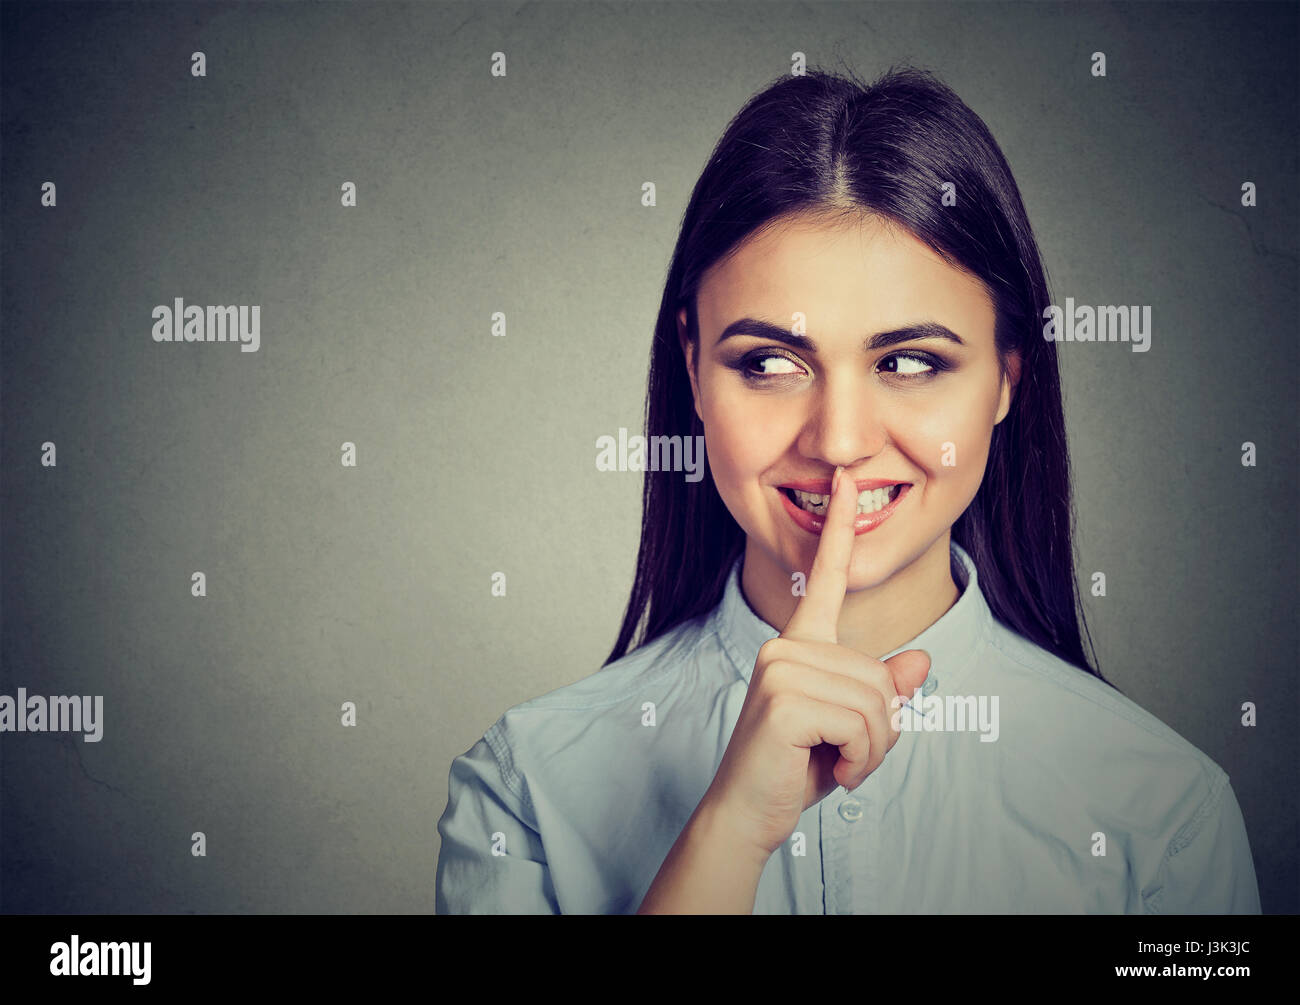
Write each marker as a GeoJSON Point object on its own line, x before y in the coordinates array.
{"type": "Point", "coordinates": [870, 501]}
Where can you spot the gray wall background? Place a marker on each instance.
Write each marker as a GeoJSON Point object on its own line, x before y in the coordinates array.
{"type": "Point", "coordinates": [476, 454]}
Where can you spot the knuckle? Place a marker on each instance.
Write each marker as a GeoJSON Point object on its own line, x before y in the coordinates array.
{"type": "Point", "coordinates": [862, 756]}
{"type": "Point", "coordinates": [770, 650]}
{"type": "Point", "coordinates": [780, 672]}
{"type": "Point", "coordinates": [875, 701]}
{"type": "Point", "coordinates": [877, 675]}
{"type": "Point", "coordinates": [781, 708]}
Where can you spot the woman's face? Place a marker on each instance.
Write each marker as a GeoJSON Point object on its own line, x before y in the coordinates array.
{"type": "Point", "coordinates": [786, 405]}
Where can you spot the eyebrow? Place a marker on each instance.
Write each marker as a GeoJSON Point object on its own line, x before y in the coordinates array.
{"type": "Point", "coordinates": [880, 340]}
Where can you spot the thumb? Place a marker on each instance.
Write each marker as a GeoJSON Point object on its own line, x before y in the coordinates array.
{"type": "Point", "coordinates": [909, 670]}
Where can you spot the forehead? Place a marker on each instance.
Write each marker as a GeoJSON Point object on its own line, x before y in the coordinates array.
{"type": "Point", "coordinates": [847, 275]}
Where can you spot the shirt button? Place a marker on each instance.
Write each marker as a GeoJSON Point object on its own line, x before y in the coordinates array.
{"type": "Point", "coordinates": [930, 686]}
{"type": "Point", "coordinates": [851, 810]}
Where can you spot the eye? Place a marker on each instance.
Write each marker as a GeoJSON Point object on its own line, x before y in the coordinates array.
{"type": "Point", "coordinates": [773, 365]}
{"type": "Point", "coordinates": [906, 364]}
{"type": "Point", "coordinates": [764, 366]}
{"type": "Point", "coordinates": [768, 367]}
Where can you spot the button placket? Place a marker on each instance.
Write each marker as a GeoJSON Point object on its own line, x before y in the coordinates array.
{"type": "Point", "coordinates": [837, 859]}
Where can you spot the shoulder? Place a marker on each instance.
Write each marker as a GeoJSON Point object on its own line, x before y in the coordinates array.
{"type": "Point", "coordinates": [551, 781]}
{"type": "Point", "coordinates": [1093, 761]}
{"type": "Point", "coordinates": [1076, 732]}
{"type": "Point", "coordinates": [563, 746]}
{"type": "Point", "coordinates": [599, 712]}
{"type": "Point", "coordinates": [1083, 713]}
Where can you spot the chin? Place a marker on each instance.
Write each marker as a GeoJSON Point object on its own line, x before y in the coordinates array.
{"type": "Point", "coordinates": [864, 573]}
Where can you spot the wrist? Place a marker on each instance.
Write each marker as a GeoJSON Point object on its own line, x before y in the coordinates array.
{"type": "Point", "coordinates": [720, 826]}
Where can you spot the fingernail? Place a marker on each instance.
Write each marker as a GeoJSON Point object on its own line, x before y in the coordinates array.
{"type": "Point", "coordinates": [835, 480]}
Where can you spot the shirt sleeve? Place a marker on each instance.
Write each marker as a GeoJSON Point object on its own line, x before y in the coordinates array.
{"type": "Point", "coordinates": [492, 860]}
{"type": "Point", "coordinates": [1207, 867]}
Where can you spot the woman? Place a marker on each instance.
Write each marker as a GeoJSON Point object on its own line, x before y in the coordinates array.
{"type": "Point", "coordinates": [852, 321]}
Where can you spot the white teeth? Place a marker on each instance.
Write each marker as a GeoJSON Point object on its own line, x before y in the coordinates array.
{"type": "Point", "coordinates": [868, 502]}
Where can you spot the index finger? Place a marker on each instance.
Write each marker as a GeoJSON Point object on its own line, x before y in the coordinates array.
{"type": "Point", "coordinates": [816, 618]}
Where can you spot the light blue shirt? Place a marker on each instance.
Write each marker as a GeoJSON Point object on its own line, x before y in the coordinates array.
{"type": "Point", "coordinates": [1078, 802]}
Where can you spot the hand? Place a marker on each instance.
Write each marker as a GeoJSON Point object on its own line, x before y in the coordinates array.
{"type": "Point", "coordinates": [816, 714]}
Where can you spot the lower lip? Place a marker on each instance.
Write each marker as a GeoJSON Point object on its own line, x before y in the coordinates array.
{"type": "Point", "coordinates": [813, 523]}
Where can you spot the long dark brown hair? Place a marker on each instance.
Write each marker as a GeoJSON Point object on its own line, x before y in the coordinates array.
{"type": "Point", "coordinates": [830, 142]}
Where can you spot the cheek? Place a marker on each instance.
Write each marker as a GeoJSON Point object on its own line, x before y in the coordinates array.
{"type": "Point", "coordinates": [744, 435]}
{"type": "Point", "coordinates": [949, 439]}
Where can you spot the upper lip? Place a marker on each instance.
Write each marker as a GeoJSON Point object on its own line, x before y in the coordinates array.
{"type": "Point", "coordinates": [822, 486]}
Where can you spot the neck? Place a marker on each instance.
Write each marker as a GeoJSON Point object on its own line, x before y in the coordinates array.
{"type": "Point", "coordinates": [875, 619]}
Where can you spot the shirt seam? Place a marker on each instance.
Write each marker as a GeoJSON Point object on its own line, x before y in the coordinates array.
{"type": "Point", "coordinates": [1183, 838]}
{"type": "Point", "coordinates": [500, 748]}
{"type": "Point", "coordinates": [725, 640]}
{"type": "Point", "coordinates": [1191, 830]}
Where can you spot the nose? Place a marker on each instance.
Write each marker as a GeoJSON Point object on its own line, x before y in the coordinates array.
{"type": "Point", "coordinates": [846, 424]}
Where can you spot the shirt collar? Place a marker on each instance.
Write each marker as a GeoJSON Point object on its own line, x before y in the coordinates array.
{"type": "Point", "coordinates": [950, 641]}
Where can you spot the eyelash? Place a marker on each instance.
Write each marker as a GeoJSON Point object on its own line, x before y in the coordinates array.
{"type": "Point", "coordinates": [937, 366]}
